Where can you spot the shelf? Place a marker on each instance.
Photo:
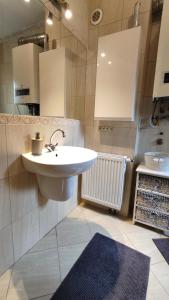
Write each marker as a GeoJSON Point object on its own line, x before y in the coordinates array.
{"type": "Point", "coordinates": [142, 169]}
{"type": "Point", "coordinates": [149, 224]}
{"type": "Point", "coordinates": [146, 213]}
{"type": "Point", "coordinates": [152, 192]}
{"type": "Point", "coordinates": [153, 210]}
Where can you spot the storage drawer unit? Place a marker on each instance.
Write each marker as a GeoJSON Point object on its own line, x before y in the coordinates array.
{"type": "Point", "coordinates": [152, 198]}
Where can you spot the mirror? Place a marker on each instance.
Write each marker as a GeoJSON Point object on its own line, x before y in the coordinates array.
{"type": "Point", "coordinates": [19, 19]}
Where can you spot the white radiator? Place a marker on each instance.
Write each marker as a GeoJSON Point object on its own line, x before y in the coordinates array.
{"type": "Point", "coordinates": [104, 182]}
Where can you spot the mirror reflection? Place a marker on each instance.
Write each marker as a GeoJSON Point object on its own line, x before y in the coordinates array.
{"type": "Point", "coordinates": [27, 43]}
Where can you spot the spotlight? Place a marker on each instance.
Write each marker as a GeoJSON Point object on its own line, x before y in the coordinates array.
{"type": "Point", "coordinates": [49, 19]}
{"type": "Point", "coordinates": [27, 1]}
{"type": "Point", "coordinates": [68, 14]}
{"type": "Point", "coordinates": [109, 62]}
{"type": "Point", "coordinates": [103, 54]}
{"type": "Point", "coordinates": [63, 7]}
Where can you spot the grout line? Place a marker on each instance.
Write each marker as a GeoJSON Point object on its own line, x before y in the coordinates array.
{"type": "Point", "coordinates": [159, 280]}
{"type": "Point", "coordinates": [12, 269]}
{"type": "Point", "coordinates": [41, 297]}
{"type": "Point", "coordinates": [58, 255]}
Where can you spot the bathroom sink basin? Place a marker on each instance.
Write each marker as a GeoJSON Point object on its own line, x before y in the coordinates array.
{"type": "Point", "coordinates": [56, 170]}
{"type": "Point", "coordinates": [64, 162]}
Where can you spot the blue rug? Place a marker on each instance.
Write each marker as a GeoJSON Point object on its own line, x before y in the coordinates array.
{"type": "Point", "coordinates": [106, 270]}
{"type": "Point", "coordinates": [163, 247]}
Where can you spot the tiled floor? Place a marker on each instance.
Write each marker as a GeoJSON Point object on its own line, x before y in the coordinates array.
{"type": "Point", "coordinates": [38, 273]}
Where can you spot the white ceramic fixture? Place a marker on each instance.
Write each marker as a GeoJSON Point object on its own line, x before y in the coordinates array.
{"type": "Point", "coordinates": [56, 170]}
{"type": "Point", "coordinates": [157, 161]}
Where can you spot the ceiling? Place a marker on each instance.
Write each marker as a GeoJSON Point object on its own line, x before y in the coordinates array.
{"type": "Point", "coordinates": [17, 15]}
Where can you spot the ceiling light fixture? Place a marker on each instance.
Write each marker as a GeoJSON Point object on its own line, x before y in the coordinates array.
{"type": "Point", "coordinates": [49, 19]}
{"type": "Point", "coordinates": [103, 54]}
{"type": "Point", "coordinates": [27, 1]}
{"type": "Point", "coordinates": [62, 6]}
{"type": "Point", "coordinates": [68, 14]}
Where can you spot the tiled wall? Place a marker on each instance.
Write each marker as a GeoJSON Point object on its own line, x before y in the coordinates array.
{"type": "Point", "coordinates": [24, 216]}
{"type": "Point", "coordinates": [117, 16]}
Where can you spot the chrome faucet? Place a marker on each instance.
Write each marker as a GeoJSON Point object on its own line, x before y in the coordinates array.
{"type": "Point", "coordinates": [51, 147]}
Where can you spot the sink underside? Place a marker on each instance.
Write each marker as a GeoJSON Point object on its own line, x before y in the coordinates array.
{"type": "Point", "coordinates": [56, 171]}
{"type": "Point", "coordinates": [59, 189]}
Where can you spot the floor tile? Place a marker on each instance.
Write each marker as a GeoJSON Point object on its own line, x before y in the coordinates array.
{"type": "Point", "coordinates": [143, 242]}
{"type": "Point", "coordinates": [48, 242]}
{"type": "Point", "coordinates": [161, 271]}
{"type": "Point", "coordinates": [72, 232]}
{"type": "Point", "coordinates": [68, 256]}
{"type": "Point", "coordinates": [155, 290]}
{"type": "Point", "coordinates": [36, 274]}
{"type": "Point", "coordinates": [4, 284]}
{"type": "Point", "coordinates": [90, 213]}
{"type": "Point", "coordinates": [104, 225]}
{"type": "Point", "coordinates": [77, 213]}
{"type": "Point", "coordinates": [127, 226]}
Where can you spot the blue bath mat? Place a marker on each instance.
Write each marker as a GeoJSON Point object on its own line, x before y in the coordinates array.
{"type": "Point", "coordinates": [163, 247]}
{"type": "Point", "coordinates": [106, 270]}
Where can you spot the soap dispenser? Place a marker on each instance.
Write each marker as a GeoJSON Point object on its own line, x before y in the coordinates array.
{"type": "Point", "coordinates": [37, 144]}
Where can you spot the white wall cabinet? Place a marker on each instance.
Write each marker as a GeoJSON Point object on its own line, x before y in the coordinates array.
{"type": "Point", "coordinates": [117, 74]}
{"type": "Point", "coordinates": [54, 82]}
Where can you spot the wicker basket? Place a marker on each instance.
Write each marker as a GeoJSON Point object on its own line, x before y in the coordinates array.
{"type": "Point", "coordinates": [153, 218]}
{"type": "Point", "coordinates": [149, 200]}
{"type": "Point", "coordinates": [156, 184]}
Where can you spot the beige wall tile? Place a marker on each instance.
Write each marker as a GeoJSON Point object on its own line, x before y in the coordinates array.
{"type": "Point", "coordinates": [18, 142]}
{"type": "Point", "coordinates": [25, 233]}
{"type": "Point", "coordinates": [80, 81]}
{"type": "Point", "coordinates": [5, 209]}
{"type": "Point", "coordinates": [112, 10]}
{"type": "Point", "coordinates": [91, 79]}
{"type": "Point", "coordinates": [48, 217]}
{"type": "Point", "coordinates": [69, 42]}
{"type": "Point", "coordinates": [78, 108]}
{"type": "Point", "coordinates": [6, 249]}
{"type": "Point", "coordinates": [3, 153]}
{"type": "Point", "coordinates": [109, 28]}
{"type": "Point", "coordinates": [23, 195]}
{"type": "Point", "coordinates": [92, 46]}
{"type": "Point", "coordinates": [128, 8]}
{"type": "Point", "coordinates": [89, 110]}
{"type": "Point", "coordinates": [78, 135]}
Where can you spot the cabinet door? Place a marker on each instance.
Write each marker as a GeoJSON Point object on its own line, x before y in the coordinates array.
{"type": "Point", "coordinates": [52, 83]}
{"type": "Point", "coordinates": [117, 72]}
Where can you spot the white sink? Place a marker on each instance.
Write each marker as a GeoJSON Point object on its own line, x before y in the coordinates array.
{"type": "Point", "coordinates": [56, 170]}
